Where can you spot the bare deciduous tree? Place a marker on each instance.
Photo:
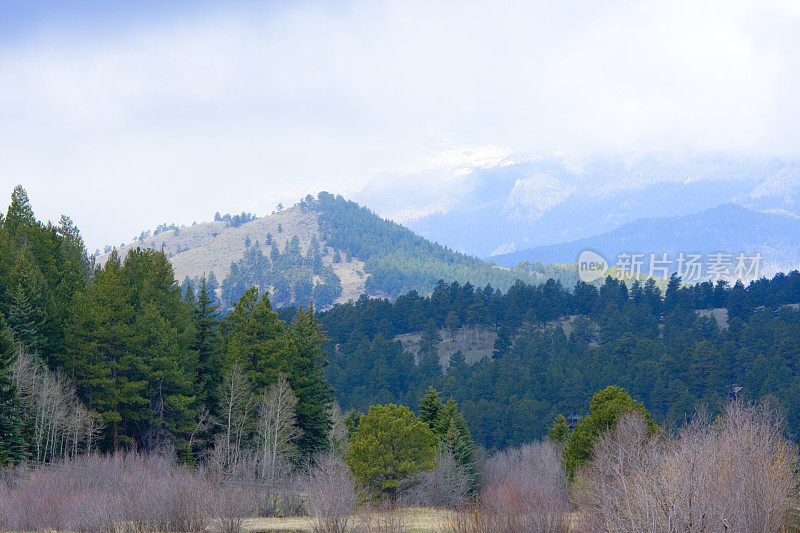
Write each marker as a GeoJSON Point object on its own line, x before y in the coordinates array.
{"type": "Point", "coordinates": [277, 429]}
{"type": "Point", "coordinates": [446, 486]}
{"type": "Point", "coordinates": [525, 489]}
{"type": "Point", "coordinates": [733, 474]}
{"type": "Point", "coordinates": [236, 407]}
{"type": "Point", "coordinates": [339, 434]}
{"type": "Point", "coordinates": [62, 425]}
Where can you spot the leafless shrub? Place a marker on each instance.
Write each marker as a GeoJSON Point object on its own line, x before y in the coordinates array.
{"type": "Point", "coordinates": [525, 489]}
{"type": "Point", "coordinates": [623, 470]}
{"type": "Point", "coordinates": [733, 474]}
{"type": "Point", "coordinates": [445, 486]}
{"type": "Point", "coordinates": [331, 494]}
{"type": "Point", "coordinates": [233, 503]}
{"type": "Point", "coordinates": [132, 492]}
{"type": "Point", "coordinates": [380, 520]}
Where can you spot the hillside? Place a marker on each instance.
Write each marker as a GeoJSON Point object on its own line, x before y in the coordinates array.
{"type": "Point", "coordinates": [517, 360]}
{"type": "Point", "coordinates": [729, 228]}
{"type": "Point", "coordinates": [327, 250]}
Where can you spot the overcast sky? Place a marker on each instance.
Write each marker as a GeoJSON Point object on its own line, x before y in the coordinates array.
{"type": "Point", "coordinates": [125, 116]}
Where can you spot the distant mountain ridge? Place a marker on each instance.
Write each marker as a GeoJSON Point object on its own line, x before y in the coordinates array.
{"type": "Point", "coordinates": [728, 228]}
{"type": "Point", "coordinates": [326, 250]}
{"type": "Point", "coordinates": [531, 203]}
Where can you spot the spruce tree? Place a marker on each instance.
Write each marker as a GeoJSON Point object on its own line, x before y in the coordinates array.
{"type": "Point", "coordinates": [451, 427]}
{"type": "Point", "coordinates": [20, 213]}
{"type": "Point", "coordinates": [22, 318]}
{"type": "Point", "coordinates": [560, 430]}
{"type": "Point", "coordinates": [12, 442]}
{"type": "Point", "coordinates": [130, 352]}
{"type": "Point", "coordinates": [430, 405]}
{"type": "Point", "coordinates": [209, 365]}
{"type": "Point", "coordinates": [304, 371]}
{"type": "Point", "coordinates": [256, 339]}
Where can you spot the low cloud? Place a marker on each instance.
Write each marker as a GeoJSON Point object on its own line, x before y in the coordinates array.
{"type": "Point", "coordinates": [179, 117]}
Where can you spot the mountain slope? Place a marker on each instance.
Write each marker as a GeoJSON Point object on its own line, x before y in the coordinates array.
{"type": "Point", "coordinates": [326, 250]}
{"type": "Point", "coordinates": [728, 228]}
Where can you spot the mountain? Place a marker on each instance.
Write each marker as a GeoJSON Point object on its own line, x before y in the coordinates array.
{"type": "Point", "coordinates": [327, 250]}
{"type": "Point", "coordinates": [516, 205]}
{"type": "Point", "coordinates": [729, 228]}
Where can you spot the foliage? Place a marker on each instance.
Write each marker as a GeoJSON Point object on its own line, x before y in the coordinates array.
{"type": "Point", "coordinates": [563, 345]}
{"type": "Point", "coordinates": [289, 275]}
{"type": "Point", "coordinates": [605, 409]}
{"type": "Point", "coordinates": [449, 425]}
{"type": "Point", "coordinates": [129, 341]}
{"type": "Point", "coordinates": [12, 443]}
{"type": "Point", "coordinates": [399, 261]}
{"type": "Point", "coordinates": [388, 449]}
{"type": "Point", "coordinates": [560, 430]}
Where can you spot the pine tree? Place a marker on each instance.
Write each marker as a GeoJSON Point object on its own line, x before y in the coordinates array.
{"type": "Point", "coordinates": [256, 338]}
{"type": "Point", "coordinates": [388, 449]}
{"type": "Point", "coordinates": [430, 338]}
{"type": "Point", "coordinates": [12, 442]}
{"type": "Point", "coordinates": [130, 352]}
{"type": "Point", "coordinates": [560, 430]}
{"type": "Point", "coordinates": [605, 409]}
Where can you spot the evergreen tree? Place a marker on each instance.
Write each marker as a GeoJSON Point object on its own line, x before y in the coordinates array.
{"type": "Point", "coordinates": [388, 449]}
{"type": "Point", "coordinates": [12, 442]}
{"type": "Point", "coordinates": [454, 435]}
{"type": "Point", "coordinates": [23, 320]}
{"type": "Point", "coordinates": [130, 338]}
{"type": "Point", "coordinates": [560, 430]}
{"type": "Point", "coordinates": [605, 409]}
{"type": "Point", "coordinates": [256, 338]}
{"type": "Point", "coordinates": [20, 214]}
{"type": "Point", "coordinates": [430, 405]}
{"type": "Point", "coordinates": [430, 338]}
{"type": "Point", "coordinates": [209, 365]}
{"type": "Point", "coordinates": [304, 370]}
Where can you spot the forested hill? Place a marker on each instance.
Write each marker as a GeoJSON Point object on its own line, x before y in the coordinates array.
{"type": "Point", "coordinates": [325, 249]}
{"type": "Point", "coordinates": [513, 361]}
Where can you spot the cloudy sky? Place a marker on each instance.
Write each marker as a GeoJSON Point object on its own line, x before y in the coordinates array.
{"type": "Point", "coordinates": [127, 115]}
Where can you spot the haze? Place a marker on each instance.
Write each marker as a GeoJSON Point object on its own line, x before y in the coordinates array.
{"type": "Point", "coordinates": [128, 117]}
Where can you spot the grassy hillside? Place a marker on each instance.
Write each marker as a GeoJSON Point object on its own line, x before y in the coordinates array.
{"type": "Point", "coordinates": [327, 250]}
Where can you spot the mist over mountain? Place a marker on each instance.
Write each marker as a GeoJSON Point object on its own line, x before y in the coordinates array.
{"type": "Point", "coordinates": [516, 205]}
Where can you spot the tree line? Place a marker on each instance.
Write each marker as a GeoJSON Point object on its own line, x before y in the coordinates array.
{"type": "Point", "coordinates": [118, 358]}
{"type": "Point", "coordinates": [554, 347]}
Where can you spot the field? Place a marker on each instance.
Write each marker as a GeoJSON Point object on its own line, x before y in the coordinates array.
{"type": "Point", "coordinates": [414, 520]}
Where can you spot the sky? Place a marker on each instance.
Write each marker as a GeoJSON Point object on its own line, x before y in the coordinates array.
{"type": "Point", "coordinates": [127, 115]}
